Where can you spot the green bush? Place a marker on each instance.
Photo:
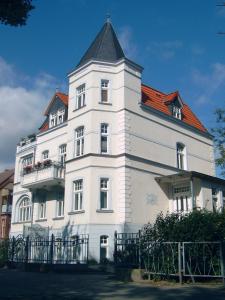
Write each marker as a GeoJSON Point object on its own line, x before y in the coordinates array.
{"type": "Point", "coordinates": [199, 225]}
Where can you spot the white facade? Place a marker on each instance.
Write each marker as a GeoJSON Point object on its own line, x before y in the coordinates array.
{"type": "Point", "coordinates": [111, 179]}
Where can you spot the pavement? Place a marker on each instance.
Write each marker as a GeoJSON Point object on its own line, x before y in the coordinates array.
{"type": "Point", "coordinates": [18, 285]}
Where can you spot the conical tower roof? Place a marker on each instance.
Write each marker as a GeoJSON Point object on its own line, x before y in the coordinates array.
{"type": "Point", "coordinates": [105, 47]}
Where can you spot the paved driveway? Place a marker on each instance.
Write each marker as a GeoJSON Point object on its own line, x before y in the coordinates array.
{"type": "Point", "coordinates": [16, 285]}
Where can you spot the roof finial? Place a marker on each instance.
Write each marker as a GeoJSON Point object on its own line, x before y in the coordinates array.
{"type": "Point", "coordinates": [108, 18]}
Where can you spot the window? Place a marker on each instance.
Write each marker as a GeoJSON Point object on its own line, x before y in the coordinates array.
{"type": "Point", "coordinates": [182, 198]}
{"type": "Point", "coordinates": [62, 154]}
{"type": "Point", "coordinates": [79, 141]}
{"type": "Point", "coordinates": [176, 112]}
{"type": "Point", "coordinates": [181, 157]}
{"type": "Point", "coordinates": [104, 138]}
{"type": "Point", "coordinates": [24, 210]}
{"type": "Point", "coordinates": [214, 199]}
{"type": "Point", "coordinates": [104, 91]}
{"type": "Point", "coordinates": [104, 247]}
{"type": "Point", "coordinates": [57, 118]}
{"type": "Point", "coordinates": [60, 208]}
{"type": "Point", "coordinates": [104, 193]}
{"type": "Point", "coordinates": [80, 99]}
{"type": "Point", "coordinates": [78, 195]}
{"type": "Point", "coordinates": [28, 161]}
{"type": "Point", "coordinates": [42, 210]}
{"type": "Point", "coordinates": [45, 155]}
{"type": "Point", "coordinates": [52, 120]}
{"type": "Point", "coordinates": [61, 114]}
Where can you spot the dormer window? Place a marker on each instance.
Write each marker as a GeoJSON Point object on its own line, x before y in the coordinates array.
{"type": "Point", "coordinates": [80, 99]}
{"type": "Point", "coordinates": [61, 114]}
{"type": "Point", "coordinates": [176, 112]}
{"type": "Point", "coordinates": [104, 91]}
{"type": "Point", "coordinates": [56, 118]}
{"type": "Point", "coordinates": [52, 120]}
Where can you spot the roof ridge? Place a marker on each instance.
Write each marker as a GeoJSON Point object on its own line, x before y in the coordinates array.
{"type": "Point", "coordinates": [148, 86]}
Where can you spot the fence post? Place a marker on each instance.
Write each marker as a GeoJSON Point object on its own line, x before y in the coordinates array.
{"type": "Point", "coordinates": [139, 249]}
{"type": "Point", "coordinates": [87, 246]}
{"type": "Point", "coordinates": [13, 248]}
{"type": "Point", "coordinates": [27, 249]}
{"type": "Point", "coordinates": [179, 263]}
{"type": "Point", "coordinates": [51, 249]}
{"type": "Point", "coordinates": [115, 248]}
{"type": "Point", "coordinates": [222, 260]}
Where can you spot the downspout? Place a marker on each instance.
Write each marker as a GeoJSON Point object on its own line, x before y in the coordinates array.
{"type": "Point", "coordinates": [192, 194]}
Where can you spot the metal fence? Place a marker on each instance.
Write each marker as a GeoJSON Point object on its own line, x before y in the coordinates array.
{"type": "Point", "coordinates": [180, 259]}
{"type": "Point", "coordinates": [50, 251]}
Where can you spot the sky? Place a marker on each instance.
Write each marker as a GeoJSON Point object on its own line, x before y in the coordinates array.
{"type": "Point", "coordinates": [176, 41]}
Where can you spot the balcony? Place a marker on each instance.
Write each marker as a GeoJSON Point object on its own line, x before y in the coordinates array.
{"type": "Point", "coordinates": [43, 175]}
{"type": "Point", "coordinates": [6, 209]}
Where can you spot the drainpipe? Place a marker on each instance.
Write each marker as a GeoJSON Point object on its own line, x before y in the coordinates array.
{"type": "Point", "coordinates": [192, 194]}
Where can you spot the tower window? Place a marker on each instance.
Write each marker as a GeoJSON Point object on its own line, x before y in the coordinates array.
{"type": "Point", "coordinates": [80, 98]}
{"type": "Point", "coordinates": [104, 91]}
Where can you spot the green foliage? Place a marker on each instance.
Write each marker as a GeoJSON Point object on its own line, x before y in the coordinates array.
{"type": "Point", "coordinates": [15, 12]}
{"type": "Point", "coordinates": [199, 225]}
{"type": "Point", "coordinates": [219, 139]}
{"type": "Point", "coordinates": [3, 252]}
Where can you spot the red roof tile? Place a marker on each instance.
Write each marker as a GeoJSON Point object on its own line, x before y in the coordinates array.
{"type": "Point", "coordinates": [159, 101]}
{"type": "Point", "coordinates": [61, 96]}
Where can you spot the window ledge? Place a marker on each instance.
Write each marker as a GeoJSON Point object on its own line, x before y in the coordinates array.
{"type": "Point", "coordinates": [104, 210]}
{"type": "Point", "coordinates": [76, 109]}
{"type": "Point", "coordinates": [22, 222]}
{"type": "Point", "coordinates": [58, 218]}
{"type": "Point", "coordinates": [41, 220]}
{"type": "Point", "coordinates": [105, 103]}
{"type": "Point", "coordinates": [75, 212]}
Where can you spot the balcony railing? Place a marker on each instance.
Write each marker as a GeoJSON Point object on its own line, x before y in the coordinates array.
{"type": "Point", "coordinates": [6, 208]}
{"type": "Point", "coordinates": [43, 174]}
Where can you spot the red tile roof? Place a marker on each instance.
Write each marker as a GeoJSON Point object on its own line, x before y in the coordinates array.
{"type": "Point", "coordinates": [61, 96]}
{"type": "Point", "coordinates": [64, 98]}
{"type": "Point", "coordinates": [159, 101]}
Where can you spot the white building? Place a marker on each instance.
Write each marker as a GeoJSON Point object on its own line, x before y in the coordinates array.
{"type": "Point", "coordinates": [112, 154]}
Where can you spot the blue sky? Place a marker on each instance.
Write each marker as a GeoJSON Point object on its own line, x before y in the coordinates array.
{"type": "Point", "coordinates": [175, 41]}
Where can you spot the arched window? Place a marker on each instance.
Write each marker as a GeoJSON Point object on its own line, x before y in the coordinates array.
{"type": "Point", "coordinates": [181, 157]}
{"type": "Point", "coordinates": [24, 209]}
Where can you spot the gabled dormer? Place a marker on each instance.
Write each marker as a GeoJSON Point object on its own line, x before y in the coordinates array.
{"type": "Point", "coordinates": [56, 112]}
{"type": "Point", "coordinates": [175, 104]}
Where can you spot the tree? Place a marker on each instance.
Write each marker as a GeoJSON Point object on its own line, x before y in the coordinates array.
{"type": "Point", "coordinates": [219, 139]}
{"type": "Point", "coordinates": [15, 12]}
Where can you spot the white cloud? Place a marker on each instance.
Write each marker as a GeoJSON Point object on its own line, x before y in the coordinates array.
{"type": "Point", "coordinates": [22, 101]}
{"type": "Point", "coordinates": [164, 50]}
{"type": "Point", "coordinates": [209, 82]}
{"type": "Point", "coordinates": [125, 37]}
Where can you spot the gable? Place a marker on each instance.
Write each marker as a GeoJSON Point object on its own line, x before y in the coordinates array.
{"type": "Point", "coordinates": [162, 103]}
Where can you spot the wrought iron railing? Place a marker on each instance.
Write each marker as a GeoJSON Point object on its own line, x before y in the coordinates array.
{"type": "Point", "coordinates": [54, 250]}
{"type": "Point", "coordinates": [181, 259]}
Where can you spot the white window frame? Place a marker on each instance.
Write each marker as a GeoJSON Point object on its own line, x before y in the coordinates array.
{"type": "Point", "coordinates": [104, 133]}
{"type": "Point", "coordinates": [105, 85]}
{"type": "Point", "coordinates": [223, 199]}
{"type": "Point", "coordinates": [60, 116]}
{"type": "Point", "coordinates": [80, 96]}
{"type": "Point", "coordinates": [79, 141]}
{"type": "Point", "coordinates": [176, 112]}
{"type": "Point", "coordinates": [42, 210]}
{"type": "Point", "coordinates": [182, 198]}
{"type": "Point", "coordinates": [60, 206]}
{"type": "Point", "coordinates": [52, 120]}
{"type": "Point", "coordinates": [78, 186]}
{"type": "Point", "coordinates": [24, 209]}
{"type": "Point", "coordinates": [27, 160]}
{"type": "Point", "coordinates": [104, 243]}
{"type": "Point", "coordinates": [62, 154]}
{"type": "Point", "coordinates": [106, 190]}
{"type": "Point", "coordinates": [45, 155]}
{"type": "Point", "coordinates": [181, 155]}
